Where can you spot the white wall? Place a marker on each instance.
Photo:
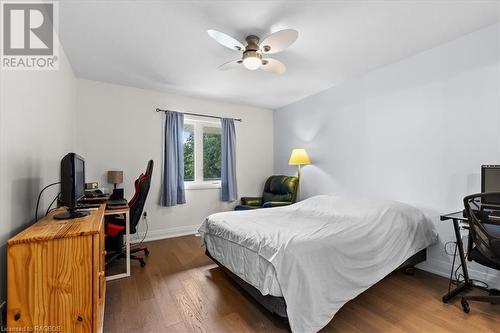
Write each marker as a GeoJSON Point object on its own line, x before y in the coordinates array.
{"type": "Point", "coordinates": [118, 128]}
{"type": "Point", "coordinates": [416, 131]}
{"type": "Point", "coordinates": [37, 114]}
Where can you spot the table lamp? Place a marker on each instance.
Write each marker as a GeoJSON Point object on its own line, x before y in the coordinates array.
{"type": "Point", "coordinates": [116, 177]}
{"type": "Point", "coordinates": [299, 157]}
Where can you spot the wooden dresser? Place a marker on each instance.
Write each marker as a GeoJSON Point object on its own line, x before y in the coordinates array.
{"type": "Point", "coordinates": [55, 275]}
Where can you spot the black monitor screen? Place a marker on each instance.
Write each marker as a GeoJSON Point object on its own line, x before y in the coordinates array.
{"type": "Point", "coordinates": [72, 179]}
{"type": "Point", "coordinates": [490, 182]}
{"type": "Point", "coordinates": [79, 178]}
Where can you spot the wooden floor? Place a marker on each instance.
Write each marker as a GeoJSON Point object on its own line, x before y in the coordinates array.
{"type": "Point", "coordinates": [181, 290]}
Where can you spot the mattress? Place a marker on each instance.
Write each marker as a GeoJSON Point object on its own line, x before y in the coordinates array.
{"type": "Point", "coordinates": [245, 263]}
{"type": "Point", "coordinates": [319, 253]}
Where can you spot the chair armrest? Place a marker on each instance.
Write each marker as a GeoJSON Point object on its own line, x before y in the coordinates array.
{"type": "Point", "coordinates": [251, 201]}
{"type": "Point", "coordinates": [270, 204]}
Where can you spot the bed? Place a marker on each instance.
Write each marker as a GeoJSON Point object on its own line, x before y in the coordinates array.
{"type": "Point", "coordinates": [306, 260]}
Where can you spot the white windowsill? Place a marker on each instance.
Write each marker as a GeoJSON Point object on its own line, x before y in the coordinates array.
{"type": "Point", "coordinates": [202, 185]}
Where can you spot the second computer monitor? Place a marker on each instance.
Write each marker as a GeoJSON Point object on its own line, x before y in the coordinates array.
{"type": "Point", "coordinates": [490, 182]}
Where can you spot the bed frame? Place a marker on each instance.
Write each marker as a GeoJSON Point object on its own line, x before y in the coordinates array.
{"type": "Point", "coordinates": [277, 305]}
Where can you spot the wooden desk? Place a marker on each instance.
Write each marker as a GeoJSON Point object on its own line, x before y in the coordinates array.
{"type": "Point", "coordinates": [55, 275]}
{"type": "Point", "coordinates": [125, 211]}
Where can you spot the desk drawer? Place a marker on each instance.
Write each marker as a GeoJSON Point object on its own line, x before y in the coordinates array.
{"type": "Point", "coordinates": [102, 261]}
{"type": "Point", "coordinates": [50, 297]}
{"type": "Point", "coordinates": [99, 279]}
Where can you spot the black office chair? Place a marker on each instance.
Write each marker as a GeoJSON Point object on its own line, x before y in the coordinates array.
{"type": "Point", "coordinates": [484, 245]}
{"type": "Point", "coordinates": [115, 227]}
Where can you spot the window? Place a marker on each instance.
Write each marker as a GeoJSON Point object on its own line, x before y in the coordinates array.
{"type": "Point", "coordinates": [202, 154]}
{"type": "Point", "coordinates": [188, 152]}
{"type": "Point", "coordinates": [211, 153]}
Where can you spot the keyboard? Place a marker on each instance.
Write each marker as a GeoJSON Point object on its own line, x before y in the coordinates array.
{"type": "Point", "coordinates": [495, 215]}
{"type": "Point", "coordinates": [483, 215]}
{"type": "Point", "coordinates": [86, 206]}
{"type": "Point", "coordinates": [94, 195]}
{"type": "Point", "coordinates": [118, 202]}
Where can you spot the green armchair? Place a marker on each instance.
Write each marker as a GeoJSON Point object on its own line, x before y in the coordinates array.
{"type": "Point", "coordinates": [278, 191]}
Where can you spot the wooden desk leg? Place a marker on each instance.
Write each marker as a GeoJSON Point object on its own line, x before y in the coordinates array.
{"type": "Point", "coordinates": [127, 239]}
{"type": "Point", "coordinates": [466, 284]}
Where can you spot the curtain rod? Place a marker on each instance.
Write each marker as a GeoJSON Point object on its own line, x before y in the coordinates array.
{"type": "Point", "coordinates": [198, 114]}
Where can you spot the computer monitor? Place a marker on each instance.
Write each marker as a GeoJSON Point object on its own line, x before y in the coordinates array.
{"type": "Point", "coordinates": [490, 182]}
{"type": "Point", "coordinates": [72, 185]}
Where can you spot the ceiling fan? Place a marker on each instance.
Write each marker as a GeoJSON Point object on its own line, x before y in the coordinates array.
{"type": "Point", "coordinates": [253, 52]}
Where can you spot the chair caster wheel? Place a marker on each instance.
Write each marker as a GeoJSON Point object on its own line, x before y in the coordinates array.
{"type": "Point", "coordinates": [465, 306]}
{"type": "Point", "coordinates": [146, 252]}
{"type": "Point", "coordinates": [143, 263]}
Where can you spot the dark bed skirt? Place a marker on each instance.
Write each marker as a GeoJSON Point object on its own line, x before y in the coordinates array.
{"type": "Point", "coordinates": [276, 304]}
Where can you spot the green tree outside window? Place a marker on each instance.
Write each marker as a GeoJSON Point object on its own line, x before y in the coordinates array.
{"type": "Point", "coordinates": [188, 137]}
{"type": "Point", "coordinates": [211, 153]}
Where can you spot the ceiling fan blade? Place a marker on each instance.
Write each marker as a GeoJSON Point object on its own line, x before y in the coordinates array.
{"type": "Point", "coordinates": [278, 41]}
{"type": "Point", "coordinates": [231, 65]}
{"type": "Point", "coordinates": [226, 40]}
{"type": "Point", "coordinates": [273, 65]}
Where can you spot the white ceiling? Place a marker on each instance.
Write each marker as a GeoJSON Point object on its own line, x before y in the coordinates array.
{"type": "Point", "coordinates": [163, 45]}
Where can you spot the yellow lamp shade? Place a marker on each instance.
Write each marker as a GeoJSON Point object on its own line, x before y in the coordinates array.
{"type": "Point", "coordinates": [298, 157]}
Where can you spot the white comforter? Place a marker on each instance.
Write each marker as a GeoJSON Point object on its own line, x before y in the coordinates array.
{"type": "Point", "coordinates": [326, 250]}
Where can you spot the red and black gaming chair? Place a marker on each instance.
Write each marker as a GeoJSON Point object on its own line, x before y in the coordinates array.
{"type": "Point", "coordinates": [115, 227]}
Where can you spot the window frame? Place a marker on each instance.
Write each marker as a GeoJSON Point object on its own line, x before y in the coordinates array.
{"type": "Point", "coordinates": [199, 183]}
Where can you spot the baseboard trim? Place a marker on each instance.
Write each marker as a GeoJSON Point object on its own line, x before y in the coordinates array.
{"type": "Point", "coordinates": [443, 268]}
{"type": "Point", "coordinates": [165, 233]}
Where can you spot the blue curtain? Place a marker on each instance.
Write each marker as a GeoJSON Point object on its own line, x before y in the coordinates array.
{"type": "Point", "coordinates": [228, 161]}
{"type": "Point", "coordinates": [173, 160]}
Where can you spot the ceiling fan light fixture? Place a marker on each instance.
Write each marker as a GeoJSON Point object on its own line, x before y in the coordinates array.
{"type": "Point", "coordinates": [252, 63]}
{"type": "Point", "coordinates": [252, 60]}
{"type": "Point", "coordinates": [254, 50]}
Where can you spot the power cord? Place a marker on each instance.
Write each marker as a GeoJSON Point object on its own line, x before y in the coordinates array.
{"type": "Point", "coordinates": [145, 217]}
{"type": "Point", "coordinates": [459, 277]}
{"type": "Point", "coordinates": [48, 209]}
{"type": "Point", "coordinates": [39, 196]}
